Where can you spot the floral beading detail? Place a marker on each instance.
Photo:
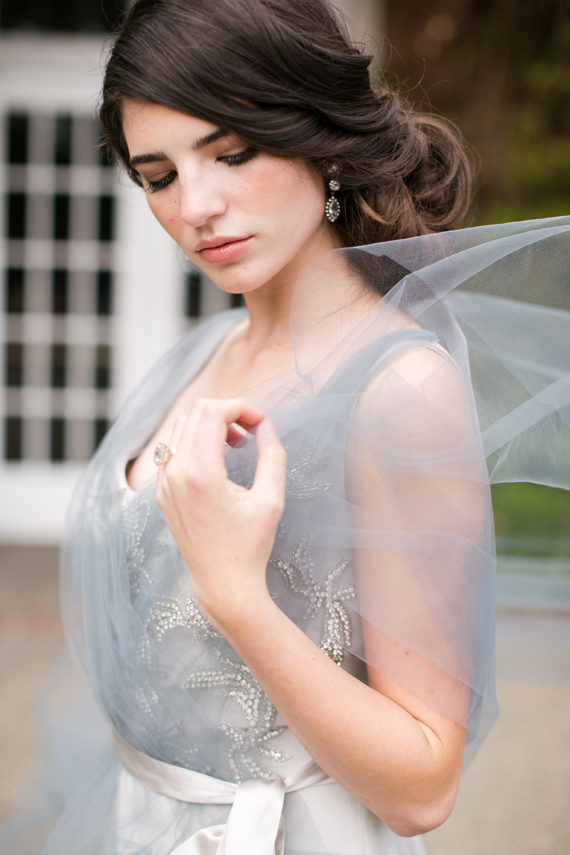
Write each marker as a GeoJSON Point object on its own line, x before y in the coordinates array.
{"type": "Point", "coordinates": [245, 691]}
{"type": "Point", "coordinates": [259, 714]}
{"type": "Point", "coordinates": [337, 630]}
{"type": "Point", "coordinates": [302, 473]}
{"type": "Point", "coordinates": [170, 613]}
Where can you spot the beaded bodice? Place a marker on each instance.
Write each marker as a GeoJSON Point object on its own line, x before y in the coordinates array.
{"type": "Point", "coordinates": [234, 731]}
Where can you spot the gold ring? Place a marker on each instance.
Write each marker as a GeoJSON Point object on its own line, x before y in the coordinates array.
{"type": "Point", "coordinates": [162, 454]}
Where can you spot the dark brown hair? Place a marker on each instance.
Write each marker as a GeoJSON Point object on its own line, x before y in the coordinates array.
{"type": "Point", "coordinates": [284, 76]}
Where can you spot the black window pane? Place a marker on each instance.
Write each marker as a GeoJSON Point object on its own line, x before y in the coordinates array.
{"type": "Point", "coordinates": [16, 215]}
{"type": "Point", "coordinates": [193, 307]}
{"type": "Point", "coordinates": [106, 224]}
{"type": "Point", "coordinates": [25, 14]}
{"type": "Point", "coordinates": [57, 439]}
{"type": "Point", "coordinates": [62, 148]}
{"type": "Point", "coordinates": [60, 15]}
{"type": "Point", "coordinates": [61, 206]}
{"type": "Point", "coordinates": [236, 301]}
{"type": "Point", "coordinates": [14, 364]}
{"type": "Point", "coordinates": [18, 138]}
{"type": "Point", "coordinates": [103, 367]}
{"type": "Point", "coordinates": [59, 292]}
{"type": "Point", "coordinates": [15, 294]}
{"type": "Point", "coordinates": [100, 428]}
{"type": "Point", "coordinates": [104, 292]}
{"type": "Point", "coordinates": [58, 365]}
{"type": "Point", "coordinates": [13, 438]}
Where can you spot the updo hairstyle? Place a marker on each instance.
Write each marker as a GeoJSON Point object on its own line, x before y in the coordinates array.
{"type": "Point", "coordinates": [284, 76]}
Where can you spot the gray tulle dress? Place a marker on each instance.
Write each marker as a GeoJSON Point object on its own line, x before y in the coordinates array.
{"type": "Point", "coordinates": [425, 369]}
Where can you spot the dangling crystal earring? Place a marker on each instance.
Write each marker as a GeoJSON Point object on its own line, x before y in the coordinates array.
{"type": "Point", "coordinates": [332, 207]}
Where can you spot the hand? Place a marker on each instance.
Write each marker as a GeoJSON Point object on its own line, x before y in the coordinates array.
{"type": "Point", "coordinates": [225, 532]}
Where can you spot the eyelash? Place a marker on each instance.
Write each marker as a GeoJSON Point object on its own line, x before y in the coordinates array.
{"type": "Point", "coordinates": [240, 157]}
{"type": "Point", "coordinates": [230, 160]}
{"type": "Point", "coordinates": [154, 186]}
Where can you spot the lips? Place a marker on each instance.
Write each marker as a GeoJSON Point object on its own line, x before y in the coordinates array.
{"type": "Point", "coordinates": [222, 249]}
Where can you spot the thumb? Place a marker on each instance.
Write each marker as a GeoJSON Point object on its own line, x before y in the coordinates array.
{"type": "Point", "coordinates": [271, 470]}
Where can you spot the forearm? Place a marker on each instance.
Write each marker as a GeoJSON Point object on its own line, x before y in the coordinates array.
{"type": "Point", "coordinates": [388, 758]}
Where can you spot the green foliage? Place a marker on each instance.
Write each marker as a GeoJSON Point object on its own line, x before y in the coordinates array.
{"type": "Point", "coordinates": [501, 71]}
{"type": "Point", "coordinates": [530, 512]}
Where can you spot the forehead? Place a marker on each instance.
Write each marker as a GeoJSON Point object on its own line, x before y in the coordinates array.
{"type": "Point", "coordinates": [150, 127]}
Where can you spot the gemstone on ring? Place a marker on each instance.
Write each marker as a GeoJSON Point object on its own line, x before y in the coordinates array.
{"type": "Point", "coordinates": [162, 454]}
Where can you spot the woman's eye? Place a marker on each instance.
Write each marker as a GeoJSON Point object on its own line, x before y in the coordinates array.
{"type": "Point", "coordinates": [153, 186]}
{"type": "Point", "coordinates": [240, 157]}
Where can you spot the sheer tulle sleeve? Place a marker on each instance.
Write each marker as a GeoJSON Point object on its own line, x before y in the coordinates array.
{"type": "Point", "coordinates": [422, 537]}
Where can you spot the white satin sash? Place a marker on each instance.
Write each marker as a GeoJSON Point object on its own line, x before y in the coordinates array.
{"type": "Point", "coordinates": [255, 824]}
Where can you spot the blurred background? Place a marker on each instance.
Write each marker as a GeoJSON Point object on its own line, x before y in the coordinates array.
{"type": "Point", "coordinates": [93, 292]}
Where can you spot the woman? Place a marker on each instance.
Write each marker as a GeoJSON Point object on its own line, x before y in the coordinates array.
{"type": "Point", "coordinates": [322, 497]}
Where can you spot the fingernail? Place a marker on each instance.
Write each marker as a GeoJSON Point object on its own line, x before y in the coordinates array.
{"type": "Point", "coordinates": [269, 431]}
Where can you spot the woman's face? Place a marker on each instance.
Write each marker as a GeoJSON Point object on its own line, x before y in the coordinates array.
{"type": "Point", "coordinates": [245, 218]}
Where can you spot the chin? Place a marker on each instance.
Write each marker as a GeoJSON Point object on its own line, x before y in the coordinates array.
{"type": "Point", "coordinates": [238, 284]}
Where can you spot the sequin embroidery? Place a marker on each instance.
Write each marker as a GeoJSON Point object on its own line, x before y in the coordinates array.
{"type": "Point", "coordinates": [337, 629]}
{"type": "Point", "coordinates": [258, 711]}
{"type": "Point", "coordinates": [245, 691]}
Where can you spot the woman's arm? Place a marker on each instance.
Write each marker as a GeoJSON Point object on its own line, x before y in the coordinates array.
{"type": "Point", "coordinates": [393, 752]}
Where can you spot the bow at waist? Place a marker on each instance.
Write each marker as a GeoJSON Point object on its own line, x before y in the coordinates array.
{"type": "Point", "coordinates": [255, 823]}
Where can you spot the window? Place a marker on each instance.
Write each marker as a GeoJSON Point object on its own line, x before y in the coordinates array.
{"type": "Point", "coordinates": [236, 301]}
{"type": "Point", "coordinates": [61, 206]}
{"type": "Point", "coordinates": [13, 438]}
{"type": "Point", "coordinates": [59, 289]}
{"type": "Point", "coordinates": [58, 286]}
{"type": "Point", "coordinates": [193, 294]}
{"type": "Point", "coordinates": [15, 290]}
{"type": "Point", "coordinates": [106, 218]}
{"type": "Point", "coordinates": [57, 440]}
{"type": "Point", "coordinates": [104, 292]}
{"type": "Point", "coordinates": [58, 366]}
{"type": "Point", "coordinates": [16, 204]}
{"type": "Point", "coordinates": [14, 365]}
{"type": "Point", "coordinates": [203, 298]}
{"type": "Point", "coordinates": [103, 367]}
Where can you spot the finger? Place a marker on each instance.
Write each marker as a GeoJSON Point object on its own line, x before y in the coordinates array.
{"type": "Point", "coordinates": [217, 418]}
{"type": "Point", "coordinates": [235, 434]}
{"type": "Point", "coordinates": [236, 410]}
{"type": "Point", "coordinates": [184, 435]}
{"type": "Point", "coordinates": [173, 445]}
{"type": "Point", "coordinates": [236, 414]}
{"type": "Point", "coordinates": [271, 470]}
{"type": "Point", "coordinates": [177, 432]}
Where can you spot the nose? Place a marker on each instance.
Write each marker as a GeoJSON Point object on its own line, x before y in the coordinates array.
{"type": "Point", "coordinates": [201, 200]}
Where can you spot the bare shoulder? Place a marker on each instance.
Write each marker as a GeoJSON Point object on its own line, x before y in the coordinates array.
{"type": "Point", "coordinates": [417, 363]}
{"type": "Point", "coordinates": [419, 392]}
{"type": "Point", "coordinates": [419, 367]}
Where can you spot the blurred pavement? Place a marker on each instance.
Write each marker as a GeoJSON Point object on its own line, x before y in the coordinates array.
{"type": "Point", "coordinates": [31, 640]}
{"type": "Point", "coordinates": [514, 799]}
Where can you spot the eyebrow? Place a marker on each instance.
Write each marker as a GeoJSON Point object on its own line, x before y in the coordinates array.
{"type": "Point", "coordinates": [157, 156]}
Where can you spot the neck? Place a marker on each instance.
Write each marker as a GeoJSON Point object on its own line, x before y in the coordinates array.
{"type": "Point", "coordinates": [269, 306]}
{"type": "Point", "coordinates": [269, 310]}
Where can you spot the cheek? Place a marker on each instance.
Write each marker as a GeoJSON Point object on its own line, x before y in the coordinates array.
{"type": "Point", "coordinates": [265, 188]}
{"type": "Point", "coordinates": [289, 194]}
{"type": "Point", "coordinates": [166, 211]}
